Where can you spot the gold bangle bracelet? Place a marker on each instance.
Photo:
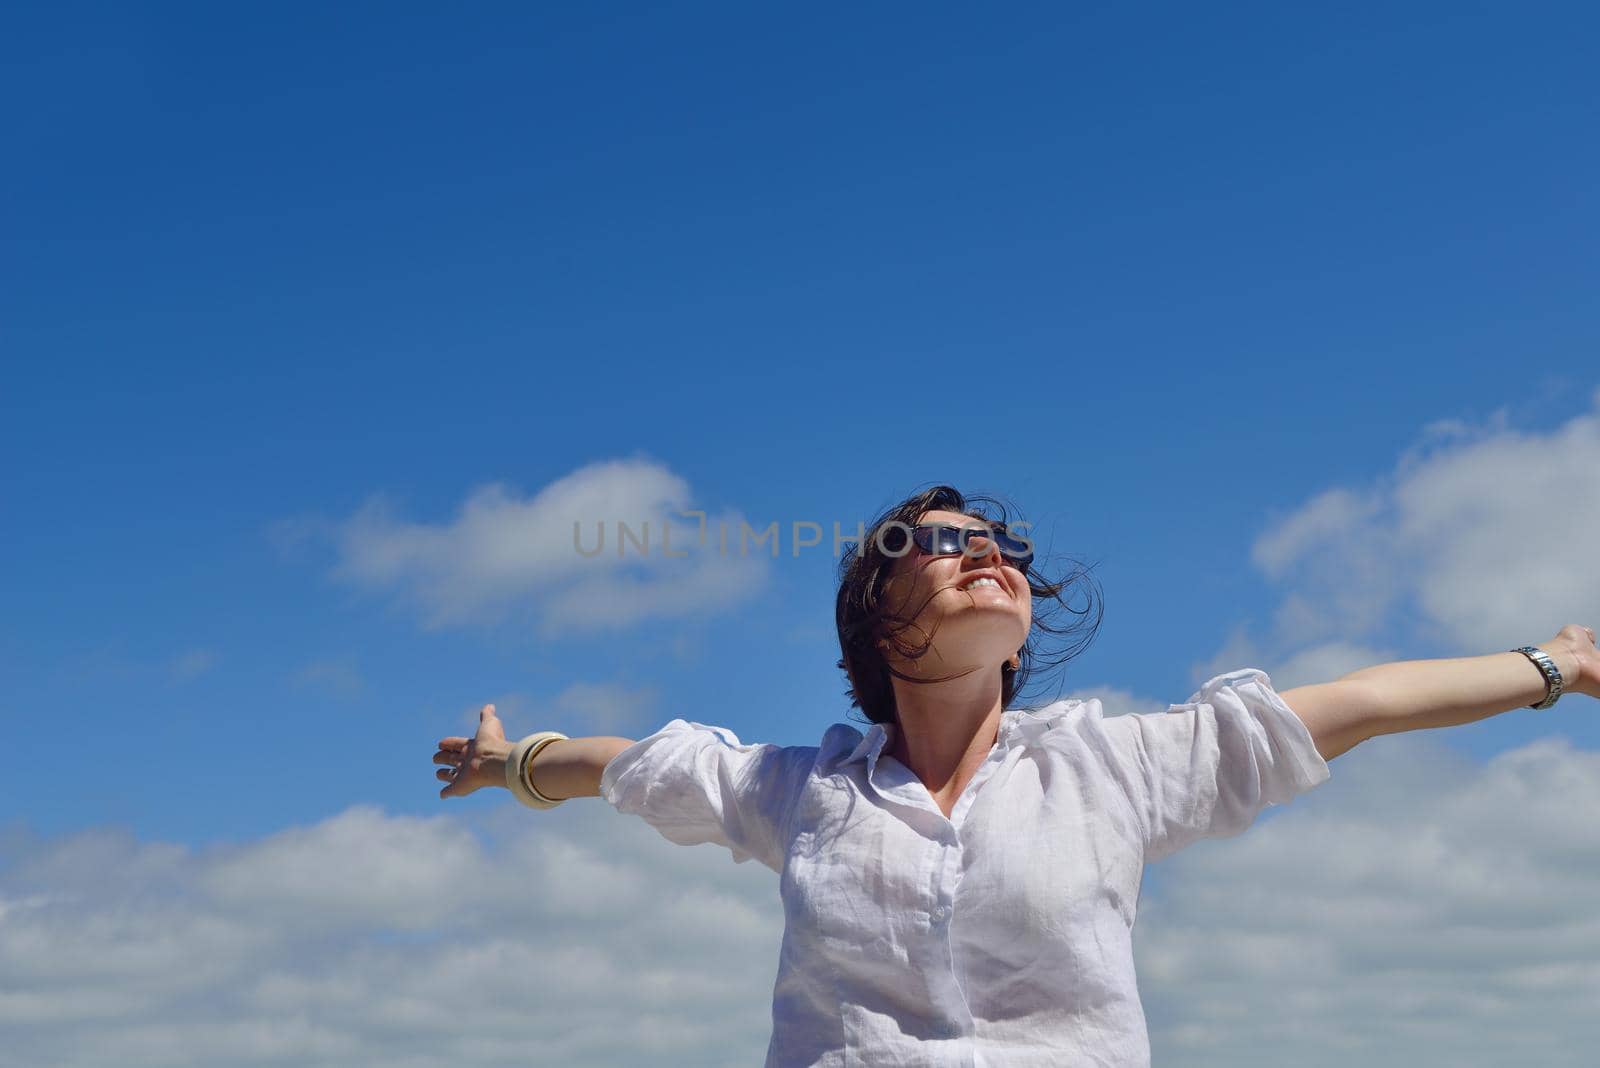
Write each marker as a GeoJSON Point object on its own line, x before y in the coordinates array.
{"type": "Point", "coordinates": [527, 770]}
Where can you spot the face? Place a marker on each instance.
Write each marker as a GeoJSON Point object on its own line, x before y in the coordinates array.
{"type": "Point", "coordinates": [979, 626]}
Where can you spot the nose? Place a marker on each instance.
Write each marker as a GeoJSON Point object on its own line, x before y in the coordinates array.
{"type": "Point", "coordinates": [983, 550]}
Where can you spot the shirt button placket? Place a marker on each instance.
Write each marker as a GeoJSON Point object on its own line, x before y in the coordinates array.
{"type": "Point", "coordinates": [949, 863]}
{"type": "Point", "coordinates": [943, 886]}
{"type": "Point", "coordinates": [949, 858]}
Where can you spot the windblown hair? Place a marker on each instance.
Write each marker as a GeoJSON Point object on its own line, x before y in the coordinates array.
{"type": "Point", "coordinates": [863, 618]}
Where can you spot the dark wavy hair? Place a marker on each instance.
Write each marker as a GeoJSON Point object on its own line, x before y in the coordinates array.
{"type": "Point", "coordinates": [863, 618]}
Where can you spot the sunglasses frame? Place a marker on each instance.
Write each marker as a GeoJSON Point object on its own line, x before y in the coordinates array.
{"type": "Point", "coordinates": [1018, 552]}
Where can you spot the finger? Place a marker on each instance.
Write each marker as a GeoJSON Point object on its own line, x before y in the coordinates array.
{"type": "Point", "coordinates": [447, 758]}
{"type": "Point", "coordinates": [486, 712]}
{"type": "Point", "coordinates": [452, 743]}
{"type": "Point", "coordinates": [446, 774]}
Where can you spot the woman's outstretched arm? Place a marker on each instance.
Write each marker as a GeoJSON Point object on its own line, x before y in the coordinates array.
{"type": "Point", "coordinates": [571, 767]}
{"type": "Point", "coordinates": [1413, 694]}
{"type": "Point", "coordinates": [565, 768]}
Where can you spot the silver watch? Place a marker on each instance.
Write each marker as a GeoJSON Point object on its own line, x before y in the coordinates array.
{"type": "Point", "coordinates": [1552, 674]}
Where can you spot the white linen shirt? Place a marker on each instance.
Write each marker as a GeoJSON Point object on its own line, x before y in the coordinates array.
{"type": "Point", "coordinates": [1003, 934]}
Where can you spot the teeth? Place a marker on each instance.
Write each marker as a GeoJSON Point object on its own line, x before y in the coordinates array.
{"type": "Point", "coordinates": [985, 581]}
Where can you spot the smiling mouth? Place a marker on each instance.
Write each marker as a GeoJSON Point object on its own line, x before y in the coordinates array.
{"type": "Point", "coordinates": [982, 583]}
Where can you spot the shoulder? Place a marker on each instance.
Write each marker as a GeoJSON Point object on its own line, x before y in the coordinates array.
{"type": "Point", "coordinates": [1049, 724]}
{"type": "Point", "coordinates": [1078, 731]}
{"type": "Point", "coordinates": [681, 735]}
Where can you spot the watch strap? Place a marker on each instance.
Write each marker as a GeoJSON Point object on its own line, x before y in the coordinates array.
{"type": "Point", "coordinates": [1552, 674]}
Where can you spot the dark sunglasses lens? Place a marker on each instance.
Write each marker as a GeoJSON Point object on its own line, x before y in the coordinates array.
{"type": "Point", "coordinates": [938, 540]}
{"type": "Point", "coordinates": [1009, 545]}
{"type": "Point", "coordinates": [1015, 548]}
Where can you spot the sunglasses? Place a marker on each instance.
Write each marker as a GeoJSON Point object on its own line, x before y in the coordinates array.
{"type": "Point", "coordinates": [941, 539]}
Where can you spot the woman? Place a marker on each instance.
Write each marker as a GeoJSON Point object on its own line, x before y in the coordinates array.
{"type": "Point", "coordinates": [960, 883]}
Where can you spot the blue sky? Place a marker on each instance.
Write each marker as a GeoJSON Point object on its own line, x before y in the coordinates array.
{"type": "Point", "coordinates": [1282, 316]}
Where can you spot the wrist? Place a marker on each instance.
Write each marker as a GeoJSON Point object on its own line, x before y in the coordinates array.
{"type": "Point", "coordinates": [1567, 661]}
{"type": "Point", "coordinates": [493, 755]}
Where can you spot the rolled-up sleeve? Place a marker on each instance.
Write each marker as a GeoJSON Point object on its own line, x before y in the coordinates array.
{"type": "Point", "coordinates": [1208, 767]}
{"type": "Point", "coordinates": [695, 783]}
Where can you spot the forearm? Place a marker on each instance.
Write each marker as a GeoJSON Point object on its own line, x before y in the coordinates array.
{"type": "Point", "coordinates": [567, 767]}
{"type": "Point", "coordinates": [1415, 694]}
{"type": "Point", "coordinates": [571, 767]}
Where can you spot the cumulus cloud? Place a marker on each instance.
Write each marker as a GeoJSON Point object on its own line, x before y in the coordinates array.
{"type": "Point", "coordinates": [371, 938]}
{"type": "Point", "coordinates": [1416, 908]}
{"type": "Point", "coordinates": [606, 546]}
{"type": "Point", "coordinates": [581, 709]}
{"type": "Point", "coordinates": [1482, 537]}
{"type": "Point", "coordinates": [608, 708]}
{"type": "Point", "coordinates": [1116, 701]}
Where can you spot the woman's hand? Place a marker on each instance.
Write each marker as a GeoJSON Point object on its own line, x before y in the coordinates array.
{"type": "Point", "coordinates": [1575, 653]}
{"type": "Point", "coordinates": [472, 763]}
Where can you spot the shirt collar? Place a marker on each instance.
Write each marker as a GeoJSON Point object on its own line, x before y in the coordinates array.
{"type": "Point", "coordinates": [871, 744]}
{"type": "Point", "coordinates": [1027, 724]}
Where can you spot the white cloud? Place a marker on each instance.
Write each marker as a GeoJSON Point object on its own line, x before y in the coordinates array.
{"type": "Point", "coordinates": [1325, 662]}
{"type": "Point", "coordinates": [581, 709]}
{"type": "Point", "coordinates": [607, 708]}
{"type": "Point", "coordinates": [505, 555]}
{"type": "Point", "coordinates": [1118, 702]}
{"type": "Point", "coordinates": [1305, 667]}
{"type": "Point", "coordinates": [1481, 538]}
{"type": "Point", "coordinates": [1416, 908]}
{"type": "Point", "coordinates": [371, 938]}
{"type": "Point", "coordinates": [1329, 516]}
